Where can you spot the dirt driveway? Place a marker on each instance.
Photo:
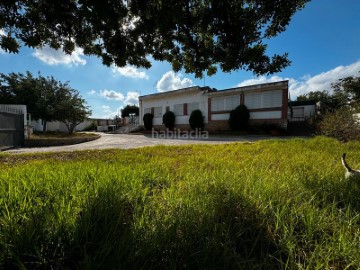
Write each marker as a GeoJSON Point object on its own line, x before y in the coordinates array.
{"type": "Point", "coordinates": [126, 141]}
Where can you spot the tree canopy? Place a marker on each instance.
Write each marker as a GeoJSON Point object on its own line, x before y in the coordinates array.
{"type": "Point", "coordinates": [349, 87]}
{"type": "Point", "coordinates": [45, 98]}
{"type": "Point", "coordinates": [128, 109]}
{"type": "Point", "coordinates": [344, 92]}
{"type": "Point", "coordinates": [197, 35]}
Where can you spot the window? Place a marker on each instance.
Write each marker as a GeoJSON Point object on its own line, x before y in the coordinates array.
{"type": "Point", "coordinates": [217, 104]}
{"type": "Point", "coordinates": [231, 102]}
{"type": "Point", "coordinates": [298, 112]}
{"type": "Point", "coordinates": [269, 99]}
{"type": "Point", "coordinates": [158, 112]}
{"type": "Point", "coordinates": [179, 109]}
{"type": "Point", "coordinates": [227, 103]}
{"type": "Point", "coordinates": [147, 110]}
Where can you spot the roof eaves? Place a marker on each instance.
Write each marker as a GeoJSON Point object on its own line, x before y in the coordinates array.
{"type": "Point", "coordinates": [173, 92]}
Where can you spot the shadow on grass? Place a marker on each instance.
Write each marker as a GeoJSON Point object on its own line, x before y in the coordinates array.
{"type": "Point", "coordinates": [229, 236]}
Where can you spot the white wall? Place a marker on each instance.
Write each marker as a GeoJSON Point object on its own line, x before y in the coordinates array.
{"type": "Point", "coordinates": [57, 126]}
{"type": "Point", "coordinates": [309, 110]}
{"type": "Point", "coordinates": [265, 115]}
{"type": "Point", "coordinates": [172, 99]}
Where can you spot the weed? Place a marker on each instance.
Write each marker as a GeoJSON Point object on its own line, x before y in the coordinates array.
{"type": "Point", "coordinates": [266, 205]}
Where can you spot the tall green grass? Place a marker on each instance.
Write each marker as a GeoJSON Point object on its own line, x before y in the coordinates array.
{"type": "Point", "coordinates": [265, 205]}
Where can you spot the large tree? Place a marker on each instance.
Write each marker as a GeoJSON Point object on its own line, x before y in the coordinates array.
{"type": "Point", "coordinates": [72, 110]}
{"type": "Point", "coordinates": [348, 87]}
{"type": "Point", "coordinates": [45, 97]}
{"type": "Point", "coordinates": [129, 109]}
{"type": "Point", "coordinates": [197, 35]}
{"type": "Point", "coordinates": [329, 101]}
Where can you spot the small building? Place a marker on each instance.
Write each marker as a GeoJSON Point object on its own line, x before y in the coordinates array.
{"type": "Point", "coordinates": [301, 110]}
{"type": "Point", "coordinates": [267, 103]}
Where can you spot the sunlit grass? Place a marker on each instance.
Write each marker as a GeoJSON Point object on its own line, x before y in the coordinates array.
{"type": "Point", "coordinates": [265, 205]}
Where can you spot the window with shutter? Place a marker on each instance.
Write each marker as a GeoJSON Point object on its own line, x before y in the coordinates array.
{"type": "Point", "coordinates": [218, 104]}
{"type": "Point", "coordinates": [179, 109]}
{"type": "Point", "coordinates": [269, 99]}
{"type": "Point", "coordinates": [231, 102]}
{"type": "Point", "coordinates": [158, 112]}
{"type": "Point", "coordinates": [298, 112]}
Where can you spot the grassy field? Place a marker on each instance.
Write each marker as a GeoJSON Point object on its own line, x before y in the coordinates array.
{"type": "Point", "coordinates": [265, 205]}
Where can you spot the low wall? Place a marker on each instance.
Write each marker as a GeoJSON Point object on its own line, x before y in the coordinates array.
{"type": "Point", "coordinates": [58, 141]}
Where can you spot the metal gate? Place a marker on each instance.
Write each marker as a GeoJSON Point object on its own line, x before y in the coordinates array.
{"type": "Point", "coordinates": [11, 129]}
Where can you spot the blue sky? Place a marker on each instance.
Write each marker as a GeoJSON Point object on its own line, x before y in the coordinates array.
{"type": "Point", "coordinates": [323, 42]}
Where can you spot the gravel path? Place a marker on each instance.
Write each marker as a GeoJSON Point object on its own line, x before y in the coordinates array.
{"type": "Point", "coordinates": [126, 141]}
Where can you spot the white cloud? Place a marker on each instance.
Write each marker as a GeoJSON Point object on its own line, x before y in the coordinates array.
{"type": "Point", "coordinates": [58, 57]}
{"type": "Point", "coordinates": [106, 109]}
{"type": "Point", "coordinates": [92, 92]}
{"type": "Point", "coordinates": [111, 94]}
{"type": "Point", "coordinates": [171, 81]}
{"type": "Point", "coordinates": [309, 83]}
{"type": "Point", "coordinates": [107, 113]}
{"type": "Point", "coordinates": [132, 98]}
{"type": "Point", "coordinates": [130, 72]}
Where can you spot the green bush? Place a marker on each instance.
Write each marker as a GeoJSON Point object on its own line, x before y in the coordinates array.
{"type": "Point", "coordinates": [196, 120]}
{"type": "Point", "coordinates": [239, 118]}
{"type": "Point", "coordinates": [169, 119]}
{"type": "Point", "coordinates": [148, 121]}
{"type": "Point", "coordinates": [340, 124]}
{"type": "Point", "coordinates": [90, 127]}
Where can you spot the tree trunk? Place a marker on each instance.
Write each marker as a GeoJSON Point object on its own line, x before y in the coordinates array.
{"type": "Point", "coordinates": [70, 129]}
{"type": "Point", "coordinates": [44, 126]}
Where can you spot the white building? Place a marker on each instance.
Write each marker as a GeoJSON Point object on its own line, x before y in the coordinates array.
{"type": "Point", "coordinates": [267, 103]}
{"type": "Point", "coordinates": [301, 110]}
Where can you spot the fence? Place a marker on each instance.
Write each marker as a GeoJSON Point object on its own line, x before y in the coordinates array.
{"type": "Point", "coordinates": [11, 127]}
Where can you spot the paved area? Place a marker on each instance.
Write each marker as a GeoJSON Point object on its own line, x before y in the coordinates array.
{"type": "Point", "coordinates": [126, 141]}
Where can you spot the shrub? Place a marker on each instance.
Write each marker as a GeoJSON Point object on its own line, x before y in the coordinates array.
{"type": "Point", "coordinates": [148, 121]}
{"type": "Point", "coordinates": [90, 127]}
{"type": "Point", "coordinates": [340, 124]}
{"type": "Point", "coordinates": [239, 118]}
{"type": "Point", "coordinates": [129, 109]}
{"type": "Point", "coordinates": [169, 119]}
{"type": "Point", "coordinates": [196, 120]}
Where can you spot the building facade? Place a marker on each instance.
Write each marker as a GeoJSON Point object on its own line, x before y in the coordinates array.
{"type": "Point", "coordinates": [267, 103]}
